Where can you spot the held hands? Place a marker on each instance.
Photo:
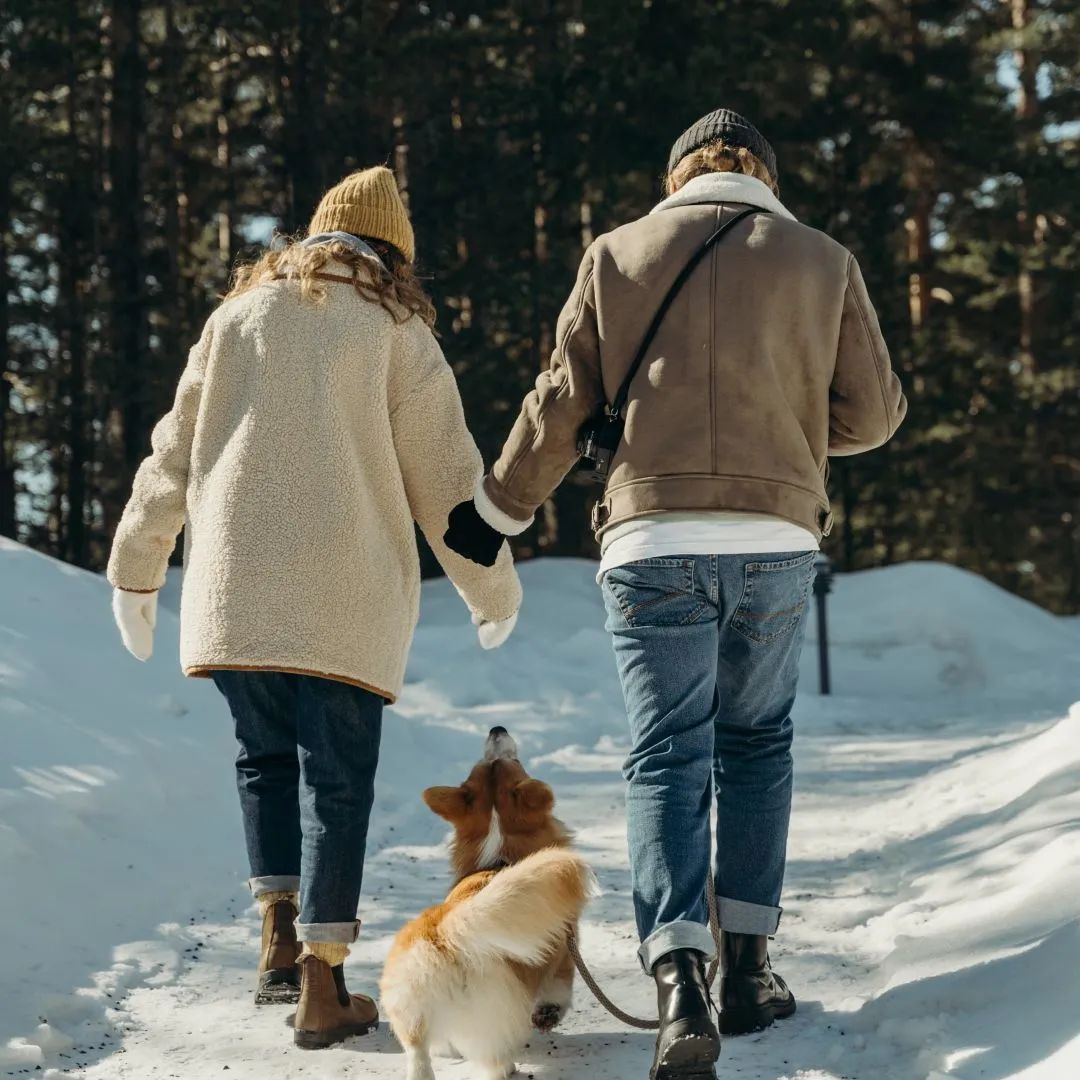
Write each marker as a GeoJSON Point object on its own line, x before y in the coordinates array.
{"type": "Point", "coordinates": [471, 537]}
{"type": "Point", "coordinates": [478, 527]}
{"type": "Point", "coordinates": [136, 616]}
{"type": "Point", "coordinates": [494, 634]}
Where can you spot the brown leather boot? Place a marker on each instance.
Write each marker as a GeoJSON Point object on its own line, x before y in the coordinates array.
{"type": "Point", "coordinates": [279, 977]}
{"type": "Point", "coordinates": [328, 1013]}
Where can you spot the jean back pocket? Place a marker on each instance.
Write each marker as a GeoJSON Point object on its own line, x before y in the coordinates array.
{"type": "Point", "coordinates": [774, 597]}
{"type": "Point", "coordinates": [654, 592]}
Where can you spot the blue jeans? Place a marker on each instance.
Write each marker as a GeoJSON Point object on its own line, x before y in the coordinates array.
{"type": "Point", "coordinates": [707, 648]}
{"type": "Point", "coordinates": [309, 748]}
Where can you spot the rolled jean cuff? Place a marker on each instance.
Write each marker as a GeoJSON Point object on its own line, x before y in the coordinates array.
{"type": "Point", "coordinates": [259, 886]}
{"type": "Point", "coordinates": [740, 917]}
{"type": "Point", "coordinates": [676, 935]}
{"type": "Point", "coordinates": [327, 933]}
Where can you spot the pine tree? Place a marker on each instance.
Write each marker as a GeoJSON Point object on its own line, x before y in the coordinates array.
{"type": "Point", "coordinates": [146, 145]}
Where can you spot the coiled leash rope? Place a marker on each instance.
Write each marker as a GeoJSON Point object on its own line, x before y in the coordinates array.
{"type": "Point", "coordinates": [607, 1003]}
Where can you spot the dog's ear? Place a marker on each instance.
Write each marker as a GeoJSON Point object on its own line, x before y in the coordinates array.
{"type": "Point", "coordinates": [447, 802]}
{"type": "Point", "coordinates": [535, 795]}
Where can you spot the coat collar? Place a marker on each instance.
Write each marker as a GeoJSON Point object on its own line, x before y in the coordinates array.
{"type": "Point", "coordinates": [725, 187]}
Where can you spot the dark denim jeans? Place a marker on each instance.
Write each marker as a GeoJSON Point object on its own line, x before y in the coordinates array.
{"type": "Point", "coordinates": [309, 748]}
{"type": "Point", "coordinates": [707, 648]}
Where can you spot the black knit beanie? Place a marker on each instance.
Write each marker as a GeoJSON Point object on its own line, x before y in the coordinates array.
{"type": "Point", "coordinates": [734, 129]}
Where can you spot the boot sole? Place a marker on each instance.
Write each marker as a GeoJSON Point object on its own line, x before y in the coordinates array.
{"type": "Point", "coordinates": [748, 1019]}
{"type": "Point", "coordinates": [690, 1057]}
{"type": "Point", "coordinates": [320, 1040]}
{"type": "Point", "coordinates": [278, 988]}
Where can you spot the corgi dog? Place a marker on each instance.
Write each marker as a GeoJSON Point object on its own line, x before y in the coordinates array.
{"type": "Point", "coordinates": [476, 973]}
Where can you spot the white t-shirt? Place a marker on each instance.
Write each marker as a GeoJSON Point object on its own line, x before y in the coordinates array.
{"type": "Point", "coordinates": [707, 532]}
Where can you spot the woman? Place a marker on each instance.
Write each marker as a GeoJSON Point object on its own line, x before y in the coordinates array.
{"type": "Point", "coordinates": [316, 420]}
{"type": "Point", "coordinates": [768, 360]}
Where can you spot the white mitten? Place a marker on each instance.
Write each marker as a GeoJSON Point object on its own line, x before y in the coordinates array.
{"type": "Point", "coordinates": [494, 634]}
{"type": "Point", "coordinates": [136, 615]}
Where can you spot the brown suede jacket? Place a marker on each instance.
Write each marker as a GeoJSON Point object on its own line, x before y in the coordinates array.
{"type": "Point", "coordinates": [769, 360]}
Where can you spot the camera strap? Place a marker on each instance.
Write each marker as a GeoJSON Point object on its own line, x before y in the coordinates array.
{"type": "Point", "coordinates": [619, 404]}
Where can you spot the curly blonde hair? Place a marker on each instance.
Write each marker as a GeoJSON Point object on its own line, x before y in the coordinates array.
{"type": "Point", "coordinates": [719, 156]}
{"type": "Point", "coordinates": [394, 285]}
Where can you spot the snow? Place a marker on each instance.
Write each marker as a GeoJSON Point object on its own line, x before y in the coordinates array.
{"type": "Point", "coordinates": [932, 920]}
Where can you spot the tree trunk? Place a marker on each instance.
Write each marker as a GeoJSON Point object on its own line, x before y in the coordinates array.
{"type": "Point", "coordinates": [546, 85]}
{"type": "Point", "coordinates": [917, 227]}
{"type": "Point", "coordinates": [304, 149]}
{"type": "Point", "coordinates": [72, 228]}
{"type": "Point", "coordinates": [172, 307]}
{"type": "Point", "coordinates": [920, 182]}
{"type": "Point", "coordinates": [1026, 114]}
{"type": "Point", "coordinates": [848, 500]}
{"type": "Point", "coordinates": [125, 260]}
{"type": "Point", "coordinates": [227, 213]}
{"type": "Point", "coordinates": [7, 436]}
{"type": "Point", "coordinates": [74, 541]}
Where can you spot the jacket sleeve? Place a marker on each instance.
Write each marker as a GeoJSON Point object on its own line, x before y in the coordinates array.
{"type": "Point", "coordinates": [866, 402]}
{"type": "Point", "coordinates": [542, 447]}
{"type": "Point", "coordinates": [155, 513]}
{"type": "Point", "coordinates": [441, 467]}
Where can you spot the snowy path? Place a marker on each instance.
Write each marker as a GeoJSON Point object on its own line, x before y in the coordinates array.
{"type": "Point", "coordinates": [933, 883]}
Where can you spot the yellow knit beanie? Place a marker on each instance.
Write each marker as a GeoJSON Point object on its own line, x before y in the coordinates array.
{"type": "Point", "coordinates": [367, 203]}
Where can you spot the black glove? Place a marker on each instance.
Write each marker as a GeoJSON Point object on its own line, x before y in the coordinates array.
{"type": "Point", "coordinates": [471, 536]}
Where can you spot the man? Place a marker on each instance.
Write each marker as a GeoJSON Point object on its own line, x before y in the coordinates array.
{"type": "Point", "coordinates": [768, 360]}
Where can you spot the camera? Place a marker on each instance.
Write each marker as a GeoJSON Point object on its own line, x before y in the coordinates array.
{"type": "Point", "coordinates": [598, 441]}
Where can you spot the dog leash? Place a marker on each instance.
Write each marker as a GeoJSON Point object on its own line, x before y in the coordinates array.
{"type": "Point", "coordinates": [607, 1003]}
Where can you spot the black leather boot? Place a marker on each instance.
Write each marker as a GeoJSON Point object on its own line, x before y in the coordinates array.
{"type": "Point", "coordinates": [752, 995]}
{"type": "Point", "coordinates": [688, 1043]}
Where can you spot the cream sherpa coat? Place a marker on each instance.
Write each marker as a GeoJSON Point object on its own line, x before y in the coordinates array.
{"type": "Point", "coordinates": [304, 440]}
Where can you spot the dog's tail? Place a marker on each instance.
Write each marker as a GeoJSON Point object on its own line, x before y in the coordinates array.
{"type": "Point", "coordinates": [525, 911]}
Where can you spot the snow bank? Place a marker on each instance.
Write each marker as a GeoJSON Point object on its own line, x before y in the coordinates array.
{"type": "Point", "coordinates": [119, 826]}
{"type": "Point", "coordinates": [931, 922]}
{"type": "Point", "coordinates": [931, 630]}
{"type": "Point", "coordinates": [114, 800]}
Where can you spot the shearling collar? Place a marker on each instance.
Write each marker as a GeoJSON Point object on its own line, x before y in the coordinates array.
{"type": "Point", "coordinates": [725, 187]}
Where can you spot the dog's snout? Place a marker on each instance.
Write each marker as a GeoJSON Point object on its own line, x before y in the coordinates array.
{"type": "Point", "coordinates": [499, 745]}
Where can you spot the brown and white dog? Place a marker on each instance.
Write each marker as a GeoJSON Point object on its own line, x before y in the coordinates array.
{"type": "Point", "coordinates": [476, 973]}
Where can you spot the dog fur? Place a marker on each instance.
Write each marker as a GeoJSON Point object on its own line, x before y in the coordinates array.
{"type": "Point", "coordinates": [474, 974]}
